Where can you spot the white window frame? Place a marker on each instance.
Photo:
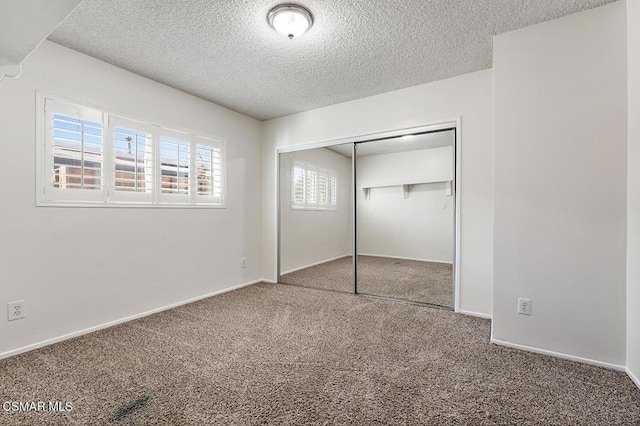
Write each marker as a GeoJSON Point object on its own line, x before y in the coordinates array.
{"type": "Point", "coordinates": [313, 205]}
{"type": "Point", "coordinates": [47, 195]}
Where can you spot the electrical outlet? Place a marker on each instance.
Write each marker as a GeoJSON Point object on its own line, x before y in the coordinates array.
{"type": "Point", "coordinates": [16, 310]}
{"type": "Point", "coordinates": [524, 306]}
{"type": "Point", "coordinates": [243, 262]}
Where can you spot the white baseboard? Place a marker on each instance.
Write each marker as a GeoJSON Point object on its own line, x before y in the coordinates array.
{"type": "Point", "coordinates": [405, 258]}
{"type": "Point", "coordinates": [67, 336]}
{"type": "Point", "coordinates": [633, 377]}
{"type": "Point", "coordinates": [476, 314]}
{"type": "Point", "coordinates": [559, 355]}
{"type": "Point", "coordinates": [361, 254]}
{"type": "Point", "coordinates": [314, 264]}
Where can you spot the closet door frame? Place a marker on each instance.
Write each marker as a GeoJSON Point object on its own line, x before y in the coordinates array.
{"type": "Point", "coordinates": [451, 124]}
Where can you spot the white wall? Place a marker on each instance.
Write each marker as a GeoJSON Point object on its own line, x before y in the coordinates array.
{"type": "Point", "coordinates": [82, 267]}
{"type": "Point", "coordinates": [314, 236]}
{"type": "Point", "coordinates": [560, 109]}
{"type": "Point", "coordinates": [469, 97]}
{"type": "Point", "coordinates": [633, 202]}
{"type": "Point", "coordinates": [419, 227]}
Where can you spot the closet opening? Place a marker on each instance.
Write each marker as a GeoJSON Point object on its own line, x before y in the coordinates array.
{"type": "Point", "coordinates": [374, 215]}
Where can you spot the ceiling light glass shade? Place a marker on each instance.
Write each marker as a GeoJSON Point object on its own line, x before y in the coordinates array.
{"type": "Point", "coordinates": [290, 20]}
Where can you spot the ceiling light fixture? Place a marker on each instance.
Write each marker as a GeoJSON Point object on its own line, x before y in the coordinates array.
{"type": "Point", "coordinates": [290, 20]}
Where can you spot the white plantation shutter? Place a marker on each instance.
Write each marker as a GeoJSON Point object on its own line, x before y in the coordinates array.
{"type": "Point", "coordinates": [92, 157]}
{"type": "Point", "coordinates": [175, 166]}
{"type": "Point", "coordinates": [132, 160]}
{"type": "Point", "coordinates": [298, 178]}
{"type": "Point", "coordinates": [333, 192]}
{"type": "Point", "coordinates": [191, 169]}
{"type": "Point", "coordinates": [209, 171]}
{"type": "Point", "coordinates": [323, 186]}
{"type": "Point", "coordinates": [327, 183]}
{"type": "Point", "coordinates": [312, 188]}
{"type": "Point", "coordinates": [74, 152]}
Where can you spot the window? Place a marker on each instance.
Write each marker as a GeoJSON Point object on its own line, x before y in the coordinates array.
{"type": "Point", "coordinates": [132, 165]}
{"type": "Point", "coordinates": [208, 161]}
{"type": "Point", "coordinates": [175, 166]}
{"type": "Point", "coordinates": [95, 158]}
{"type": "Point", "coordinates": [313, 188]}
{"type": "Point", "coordinates": [75, 153]}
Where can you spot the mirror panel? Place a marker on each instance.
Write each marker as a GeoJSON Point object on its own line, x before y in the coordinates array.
{"type": "Point", "coordinates": [316, 218]}
{"type": "Point", "coordinates": [405, 215]}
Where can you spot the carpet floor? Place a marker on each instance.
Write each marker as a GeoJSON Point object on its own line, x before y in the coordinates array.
{"type": "Point", "coordinates": [276, 354]}
{"type": "Point", "coordinates": [427, 282]}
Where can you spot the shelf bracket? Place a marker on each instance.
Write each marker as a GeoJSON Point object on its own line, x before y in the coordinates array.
{"type": "Point", "coordinates": [366, 192]}
{"type": "Point", "coordinates": [405, 191]}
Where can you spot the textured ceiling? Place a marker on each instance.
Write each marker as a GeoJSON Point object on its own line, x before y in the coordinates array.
{"type": "Point", "coordinates": [398, 144]}
{"type": "Point", "coordinates": [224, 50]}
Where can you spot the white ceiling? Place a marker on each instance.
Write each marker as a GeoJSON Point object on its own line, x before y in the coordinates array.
{"type": "Point", "coordinates": [224, 50]}
{"type": "Point", "coordinates": [398, 144]}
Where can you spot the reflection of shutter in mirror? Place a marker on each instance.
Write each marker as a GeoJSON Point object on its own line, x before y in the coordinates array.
{"type": "Point", "coordinates": [333, 191]}
{"type": "Point", "coordinates": [322, 189]}
{"type": "Point", "coordinates": [297, 198]}
{"type": "Point", "coordinates": [312, 187]}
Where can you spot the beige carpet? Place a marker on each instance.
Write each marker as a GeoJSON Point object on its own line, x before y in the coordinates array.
{"type": "Point", "coordinates": [275, 354]}
{"type": "Point", "coordinates": [426, 282]}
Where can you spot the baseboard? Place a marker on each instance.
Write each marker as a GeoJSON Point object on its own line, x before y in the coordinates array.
{"type": "Point", "coordinates": [68, 336]}
{"type": "Point", "coordinates": [559, 355]}
{"type": "Point", "coordinates": [405, 258]}
{"type": "Point", "coordinates": [314, 264]}
{"type": "Point", "coordinates": [360, 254]}
{"type": "Point", "coordinates": [476, 314]}
{"type": "Point", "coordinates": [633, 377]}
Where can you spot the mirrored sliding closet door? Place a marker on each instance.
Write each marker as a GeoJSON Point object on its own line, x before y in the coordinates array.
{"type": "Point", "coordinates": [315, 218]}
{"type": "Point", "coordinates": [405, 215]}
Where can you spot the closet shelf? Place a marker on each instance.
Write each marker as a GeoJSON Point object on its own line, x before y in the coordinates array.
{"type": "Point", "coordinates": [366, 190]}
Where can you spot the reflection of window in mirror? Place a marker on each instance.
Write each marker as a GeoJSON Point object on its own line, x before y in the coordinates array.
{"type": "Point", "coordinates": [313, 188]}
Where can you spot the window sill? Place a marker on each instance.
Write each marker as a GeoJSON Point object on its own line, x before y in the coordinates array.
{"type": "Point", "coordinates": [110, 205]}
{"type": "Point", "coordinates": [313, 209]}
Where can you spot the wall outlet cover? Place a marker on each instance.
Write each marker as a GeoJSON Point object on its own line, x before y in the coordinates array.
{"type": "Point", "coordinates": [16, 310]}
{"type": "Point", "coordinates": [524, 306]}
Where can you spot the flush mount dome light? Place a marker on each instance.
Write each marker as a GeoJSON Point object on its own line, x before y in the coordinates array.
{"type": "Point", "coordinates": [290, 20]}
